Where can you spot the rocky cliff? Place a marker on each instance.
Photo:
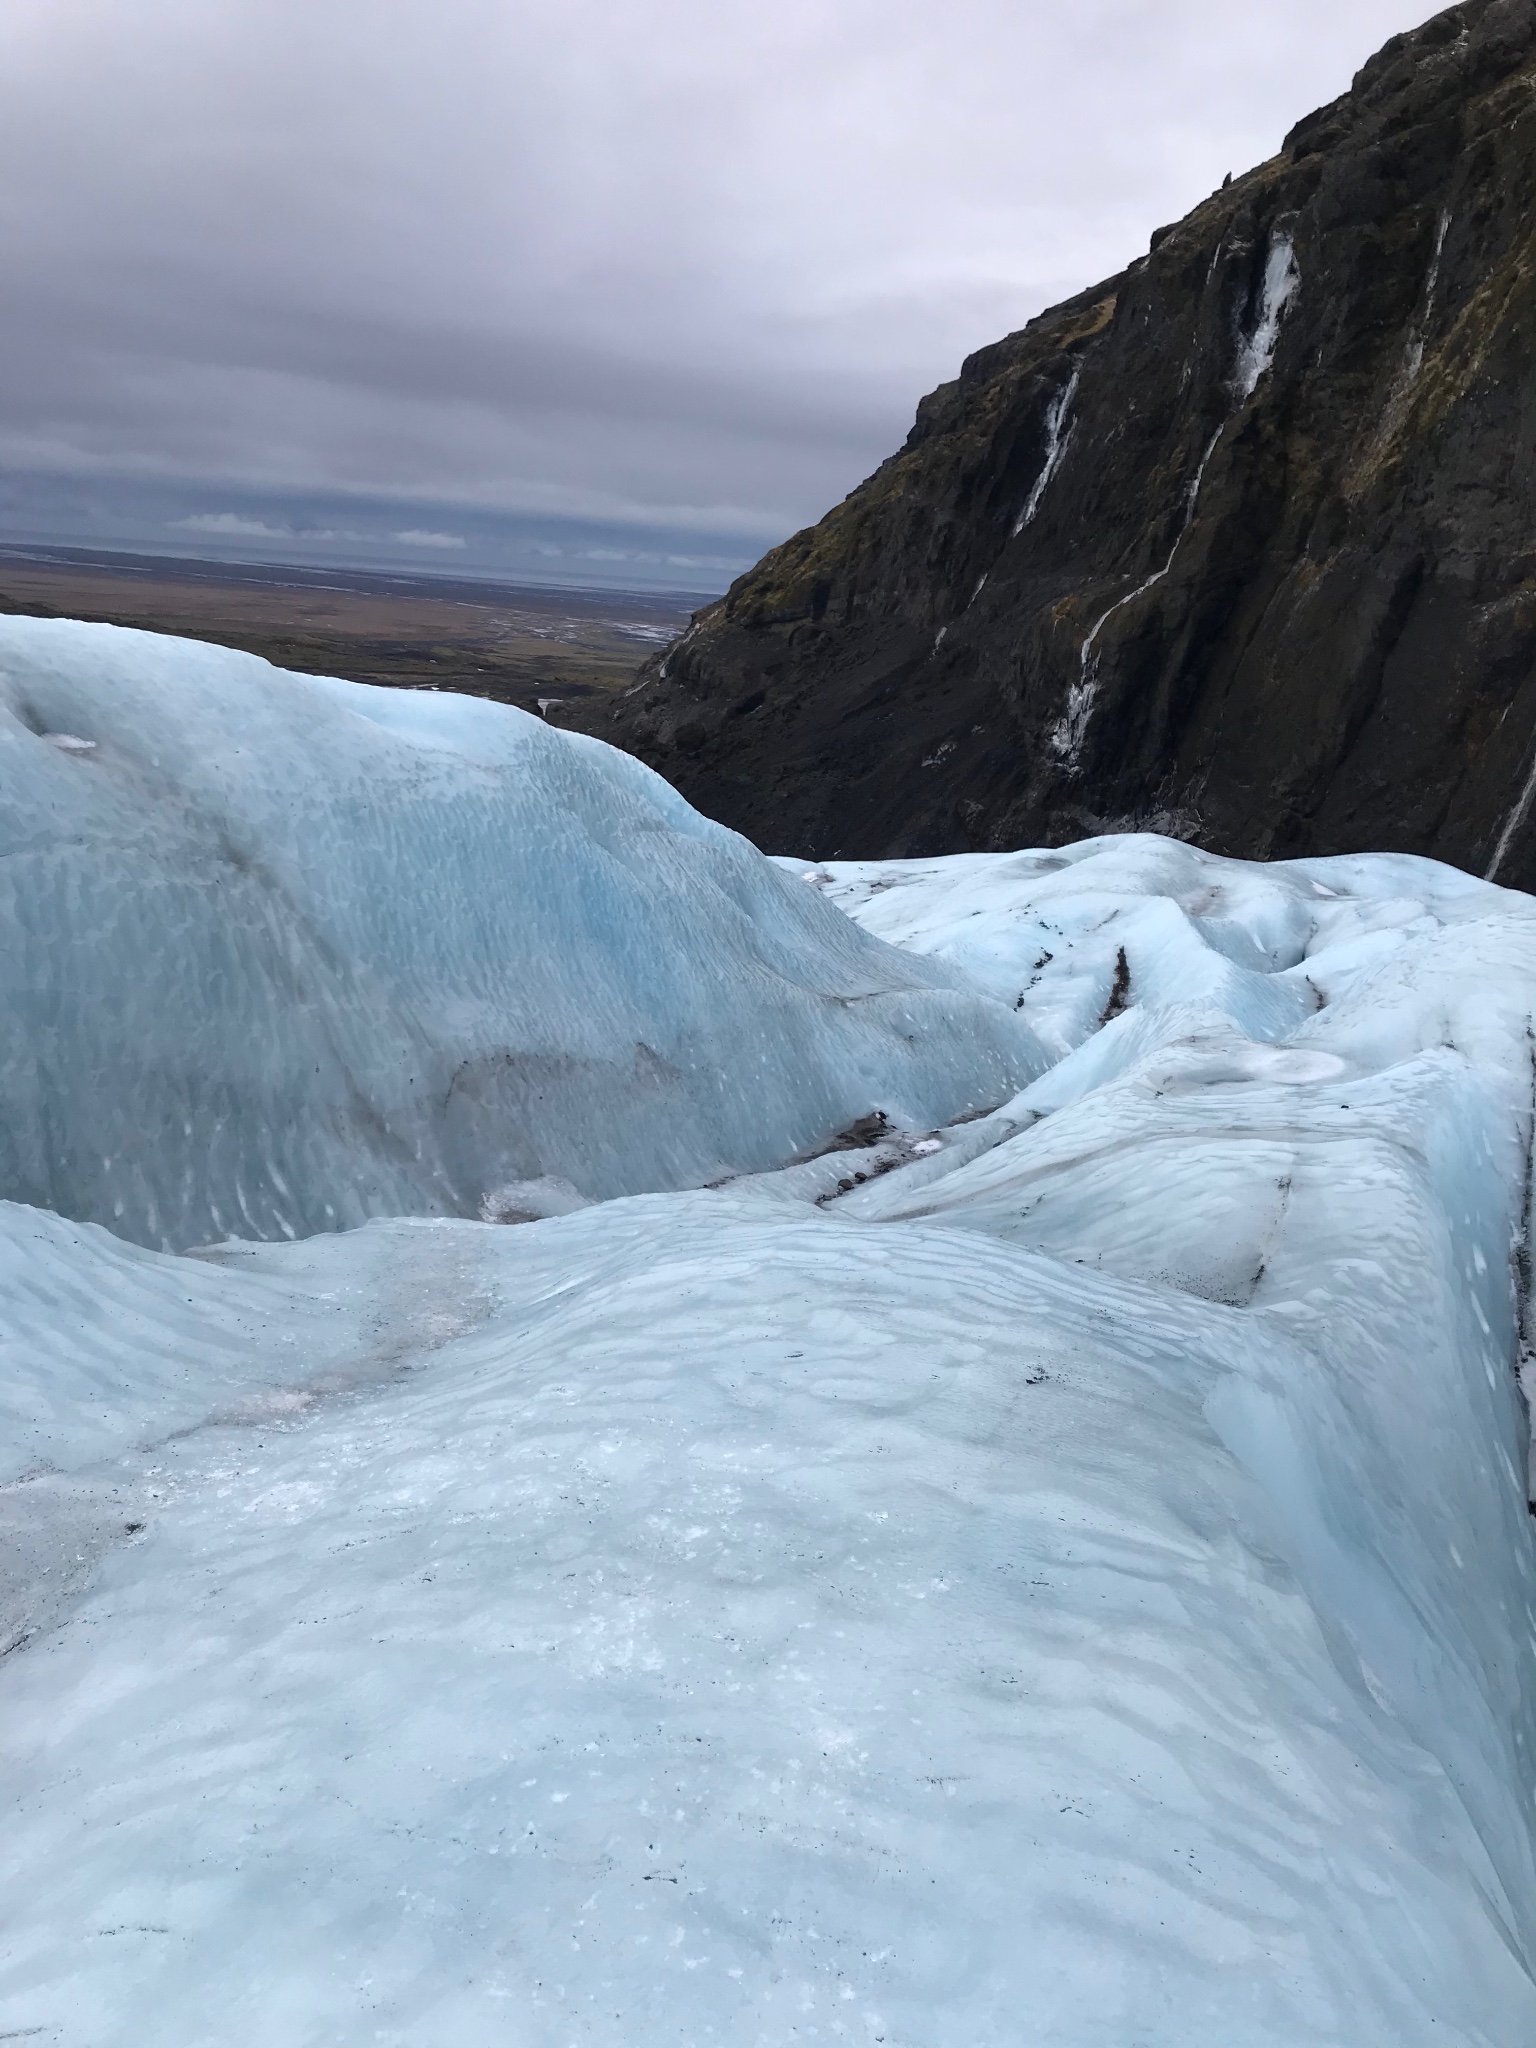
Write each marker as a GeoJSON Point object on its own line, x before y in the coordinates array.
{"type": "Point", "coordinates": [1240, 544]}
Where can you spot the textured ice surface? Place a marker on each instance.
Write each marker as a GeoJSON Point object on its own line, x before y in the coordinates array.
{"type": "Point", "coordinates": [1063, 1579]}
{"type": "Point", "coordinates": [279, 953]}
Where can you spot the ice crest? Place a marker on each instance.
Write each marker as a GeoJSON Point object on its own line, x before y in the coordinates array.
{"type": "Point", "coordinates": [282, 953]}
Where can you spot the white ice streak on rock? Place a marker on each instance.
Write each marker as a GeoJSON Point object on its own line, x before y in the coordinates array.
{"type": "Point", "coordinates": [1281, 279]}
{"type": "Point", "coordinates": [281, 953]}
{"type": "Point", "coordinates": [1255, 354]}
{"type": "Point", "coordinates": [1413, 354]}
{"type": "Point", "coordinates": [1395, 410]}
{"type": "Point", "coordinates": [1057, 435]}
{"type": "Point", "coordinates": [1516, 816]}
{"type": "Point", "coordinates": [1068, 733]}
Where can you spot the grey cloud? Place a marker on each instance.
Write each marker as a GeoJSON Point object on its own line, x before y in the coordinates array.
{"type": "Point", "coordinates": [231, 526]}
{"type": "Point", "coordinates": [672, 266]}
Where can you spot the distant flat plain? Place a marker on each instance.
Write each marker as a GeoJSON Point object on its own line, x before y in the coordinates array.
{"type": "Point", "coordinates": [519, 646]}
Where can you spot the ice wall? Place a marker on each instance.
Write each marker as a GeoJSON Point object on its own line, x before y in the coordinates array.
{"type": "Point", "coordinates": [279, 953]}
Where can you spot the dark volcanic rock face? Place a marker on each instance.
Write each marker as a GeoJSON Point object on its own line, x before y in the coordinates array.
{"type": "Point", "coordinates": [1241, 544]}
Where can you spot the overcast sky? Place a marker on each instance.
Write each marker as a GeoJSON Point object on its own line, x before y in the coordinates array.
{"type": "Point", "coordinates": [624, 279]}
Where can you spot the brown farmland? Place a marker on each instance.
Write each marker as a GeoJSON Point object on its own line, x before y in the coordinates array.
{"type": "Point", "coordinates": [529, 647]}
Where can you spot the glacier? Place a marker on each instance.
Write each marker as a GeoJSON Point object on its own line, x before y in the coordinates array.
{"type": "Point", "coordinates": [995, 1511]}
{"type": "Point", "coordinates": [282, 953]}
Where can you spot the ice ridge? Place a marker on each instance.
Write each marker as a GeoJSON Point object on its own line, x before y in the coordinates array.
{"type": "Point", "coordinates": [280, 953]}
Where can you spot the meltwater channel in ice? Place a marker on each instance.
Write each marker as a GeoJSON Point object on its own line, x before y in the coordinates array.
{"type": "Point", "coordinates": [1059, 1575]}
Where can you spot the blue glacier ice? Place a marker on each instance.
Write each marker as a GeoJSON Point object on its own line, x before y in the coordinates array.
{"type": "Point", "coordinates": [1054, 1570]}
{"type": "Point", "coordinates": [279, 953]}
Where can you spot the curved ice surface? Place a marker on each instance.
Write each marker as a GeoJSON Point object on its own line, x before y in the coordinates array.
{"type": "Point", "coordinates": [1065, 1580]}
{"type": "Point", "coordinates": [734, 1621]}
{"type": "Point", "coordinates": [278, 954]}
